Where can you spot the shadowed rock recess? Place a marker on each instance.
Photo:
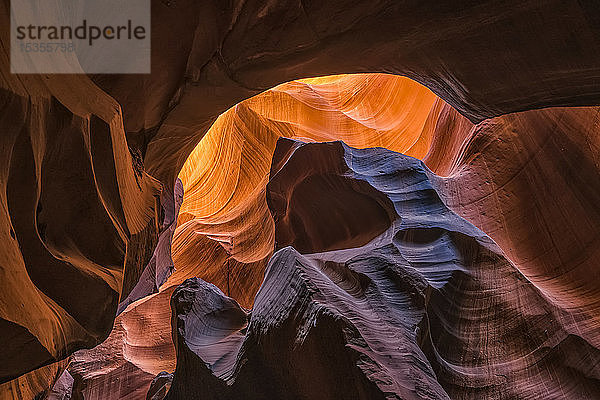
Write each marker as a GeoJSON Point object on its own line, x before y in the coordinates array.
{"type": "Point", "coordinates": [427, 307]}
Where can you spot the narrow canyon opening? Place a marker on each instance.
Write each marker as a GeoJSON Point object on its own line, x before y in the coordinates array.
{"type": "Point", "coordinates": [465, 270]}
{"type": "Point", "coordinates": [225, 233]}
{"type": "Point", "coordinates": [367, 236]}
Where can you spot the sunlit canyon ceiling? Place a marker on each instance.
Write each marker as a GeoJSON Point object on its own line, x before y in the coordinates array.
{"type": "Point", "coordinates": [303, 200]}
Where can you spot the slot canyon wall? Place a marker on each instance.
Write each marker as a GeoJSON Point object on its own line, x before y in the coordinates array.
{"type": "Point", "coordinates": [480, 262]}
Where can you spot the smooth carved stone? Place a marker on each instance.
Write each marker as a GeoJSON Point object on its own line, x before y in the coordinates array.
{"type": "Point", "coordinates": [76, 199]}
{"type": "Point", "coordinates": [531, 181]}
{"type": "Point", "coordinates": [226, 175]}
{"type": "Point", "coordinates": [138, 348]}
{"type": "Point", "coordinates": [73, 207]}
{"type": "Point", "coordinates": [160, 266]}
{"type": "Point", "coordinates": [428, 308]}
{"type": "Point", "coordinates": [160, 386]}
{"type": "Point", "coordinates": [206, 332]}
{"type": "Point", "coordinates": [63, 388]}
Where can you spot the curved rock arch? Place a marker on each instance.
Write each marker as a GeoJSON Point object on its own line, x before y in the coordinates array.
{"type": "Point", "coordinates": [228, 51]}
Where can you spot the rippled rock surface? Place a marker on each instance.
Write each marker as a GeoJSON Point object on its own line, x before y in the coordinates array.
{"type": "Point", "coordinates": [419, 304]}
{"type": "Point", "coordinates": [82, 156]}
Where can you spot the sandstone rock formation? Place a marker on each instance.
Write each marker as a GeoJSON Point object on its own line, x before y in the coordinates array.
{"type": "Point", "coordinates": [500, 181]}
{"type": "Point", "coordinates": [198, 246]}
{"type": "Point", "coordinates": [89, 163]}
{"type": "Point", "coordinates": [225, 176]}
{"type": "Point", "coordinates": [160, 386]}
{"type": "Point", "coordinates": [424, 306]}
{"type": "Point", "coordinates": [63, 388]}
{"type": "Point", "coordinates": [160, 266]}
{"type": "Point", "coordinates": [138, 348]}
{"type": "Point", "coordinates": [78, 223]}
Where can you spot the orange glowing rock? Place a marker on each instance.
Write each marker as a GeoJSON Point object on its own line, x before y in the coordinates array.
{"type": "Point", "coordinates": [84, 158]}
{"type": "Point", "coordinates": [225, 177]}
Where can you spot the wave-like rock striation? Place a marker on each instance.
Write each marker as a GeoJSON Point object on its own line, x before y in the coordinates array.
{"type": "Point", "coordinates": [424, 305]}
{"type": "Point", "coordinates": [82, 156]}
{"type": "Point", "coordinates": [224, 211]}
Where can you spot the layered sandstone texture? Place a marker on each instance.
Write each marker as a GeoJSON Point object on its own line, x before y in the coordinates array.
{"type": "Point", "coordinates": [93, 246]}
{"type": "Point", "coordinates": [485, 171]}
{"type": "Point", "coordinates": [377, 290]}
{"type": "Point", "coordinates": [225, 177]}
